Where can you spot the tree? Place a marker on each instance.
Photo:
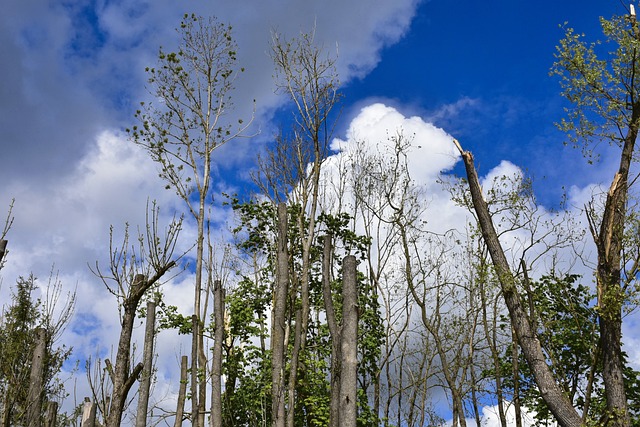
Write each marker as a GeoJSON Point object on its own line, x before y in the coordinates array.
{"type": "Point", "coordinates": [132, 274]}
{"type": "Point", "coordinates": [553, 394]}
{"type": "Point", "coordinates": [606, 107]}
{"type": "Point", "coordinates": [181, 132]}
{"type": "Point", "coordinates": [29, 329]}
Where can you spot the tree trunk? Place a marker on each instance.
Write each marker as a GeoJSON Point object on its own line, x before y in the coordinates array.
{"type": "Point", "coordinates": [88, 413]}
{"type": "Point", "coordinates": [182, 392]}
{"type": "Point", "coordinates": [349, 338]}
{"type": "Point", "coordinates": [515, 357]}
{"type": "Point", "coordinates": [551, 392]}
{"type": "Point", "coordinates": [334, 331]}
{"type": "Point", "coordinates": [147, 366]}
{"type": "Point", "coordinates": [216, 363]}
{"type": "Point", "coordinates": [52, 414]}
{"type": "Point", "coordinates": [609, 242]}
{"type": "Point", "coordinates": [120, 376]}
{"type": "Point", "coordinates": [196, 328]}
{"type": "Point", "coordinates": [278, 322]}
{"type": "Point", "coordinates": [3, 250]}
{"type": "Point", "coordinates": [34, 397]}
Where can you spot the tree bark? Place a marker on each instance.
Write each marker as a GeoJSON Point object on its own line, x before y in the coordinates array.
{"type": "Point", "coordinates": [120, 376]}
{"type": "Point", "coordinates": [3, 250]}
{"type": "Point", "coordinates": [278, 322]}
{"type": "Point", "coordinates": [35, 392]}
{"type": "Point", "coordinates": [147, 366]}
{"type": "Point", "coordinates": [551, 392]}
{"type": "Point", "coordinates": [182, 392]}
{"type": "Point", "coordinates": [349, 338]}
{"type": "Point", "coordinates": [609, 242]}
{"type": "Point", "coordinates": [334, 331]}
{"type": "Point", "coordinates": [216, 363]}
{"type": "Point", "coordinates": [52, 414]}
{"type": "Point", "coordinates": [88, 413]}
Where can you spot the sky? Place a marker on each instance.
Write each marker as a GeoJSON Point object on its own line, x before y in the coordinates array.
{"type": "Point", "coordinates": [72, 76]}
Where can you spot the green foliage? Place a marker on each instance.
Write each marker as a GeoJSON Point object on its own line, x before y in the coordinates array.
{"type": "Point", "coordinates": [247, 399]}
{"type": "Point", "coordinates": [169, 318]}
{"type": "Point", "coordinates": [247, 363]}
{"type": "Point", "coordinates": [599, 80]}
{"type": "Point", "coordinates": [18, 323]}
{"type": "Point", "coordinates": [567, 325]}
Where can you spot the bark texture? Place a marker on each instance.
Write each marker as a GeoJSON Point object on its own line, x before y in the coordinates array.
{"type": "Point", "coordinates": [554, 397]}
{"type": "Point", "coordinates": [147, 366]}
{"type": "Point", "coordinates": [36, 379]}
{"type": "Point", "coordinates": [278, 322]}
{"type": "Point", "coordinates": [349, 338]}
{"type": "Point", "coordinates": [216, 363]}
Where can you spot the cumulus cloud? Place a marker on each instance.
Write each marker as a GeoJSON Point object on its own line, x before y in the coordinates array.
{"type": "Point", "coordinates": [75, 76]}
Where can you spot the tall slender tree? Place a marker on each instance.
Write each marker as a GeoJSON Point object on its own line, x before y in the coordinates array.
{"type": "Point", "coordinates": [190, 120]}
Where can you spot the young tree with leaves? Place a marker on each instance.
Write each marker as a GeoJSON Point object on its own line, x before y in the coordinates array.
{"type": "Point", "coordinates": [29, 323]}
{"type": "Point", "coordinates": [189, 121]}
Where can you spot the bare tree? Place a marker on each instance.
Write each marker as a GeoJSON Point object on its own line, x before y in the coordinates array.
{"type": "Point", "coordinates": [132, 273]}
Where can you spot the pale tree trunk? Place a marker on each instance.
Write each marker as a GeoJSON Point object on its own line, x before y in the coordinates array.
{"type": "Point", "coordinates": [334, 331]}
{"type": "Point", "coordinates": [182, 392]}
{"type": "Point", "coordinates": [88, 413]}
{"type": "Point", "coordinates": [216, 363]}
{"type": "Point", "coordinates": [551, 392]}
{"type": "Point", "coordinates": [34, 398]}
{"type": "Point", "coordinates": [515, 357]}
{"type": "Point", "coordinates": [52, 414]}
{"type": "Point", "coordinates": [147, 366]}
{"type": "Point", "coordinates": [198, 393]}
{"type": "Point", "coordinates": [278, 321]}
{"type": "Point", "coordinates": [349, 338]}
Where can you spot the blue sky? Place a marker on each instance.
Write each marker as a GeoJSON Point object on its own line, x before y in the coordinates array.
{"type": "Point", "coordinates": [497, 56]}
{"type": "Point", "coordinates": [73, 73]}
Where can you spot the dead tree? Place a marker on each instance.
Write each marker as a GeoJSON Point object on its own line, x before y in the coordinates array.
{"type": "Point", "coordinates": [182, 392]}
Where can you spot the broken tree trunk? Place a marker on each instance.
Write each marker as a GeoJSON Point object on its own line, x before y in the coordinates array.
{"type": "Point", "coordinates": [349, 340]}
{"type": "Point", "coordinates": [36, 379]}
{"type": "Point", "coordinates": [551, 392]}
{"type": "Point", "coordinates": [147, 366]}
{"type": "Point", "coordinates": [182, 393]}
